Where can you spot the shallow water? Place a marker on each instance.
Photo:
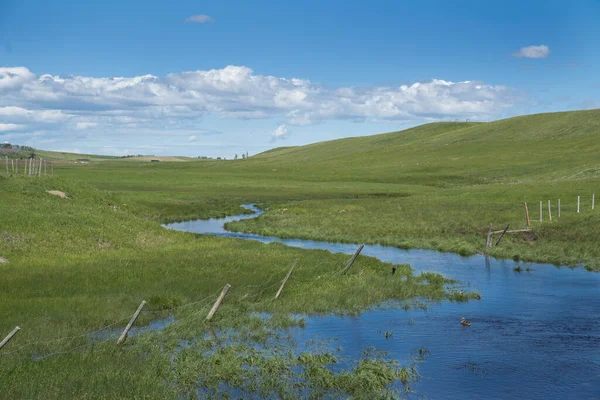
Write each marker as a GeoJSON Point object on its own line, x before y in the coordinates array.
{"type": "Point", "coordinates": [534, 335]}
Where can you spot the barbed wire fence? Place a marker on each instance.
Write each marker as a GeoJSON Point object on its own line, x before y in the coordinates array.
{"type": "Point", "coordinates": [37, 351]}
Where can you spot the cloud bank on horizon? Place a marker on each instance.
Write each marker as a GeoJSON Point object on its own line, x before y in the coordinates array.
{"type": "Point", "coordinates": [30, 103]}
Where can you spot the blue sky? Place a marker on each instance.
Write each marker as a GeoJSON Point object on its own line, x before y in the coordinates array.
{"type": "Point", "coordinates": [218, 78]}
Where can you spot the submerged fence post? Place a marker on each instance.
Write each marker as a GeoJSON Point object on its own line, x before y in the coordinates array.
{"type": "Point", "coordinates": [9, 336]}
{"type": "Point", "coordinates": [131, 321]}
{"type": "Point", "coordinates": [217, 304]}
{"type": "Point", "coordinates": [549, 211]}
{"type": "Point", "coordinates": [286, 279]}
{"type": "Point", "coordinates": [353, 258]}
{"type": "Point", "coordinates": [527, 215]}
{"type": "Point", "coordinates": [578, 202]}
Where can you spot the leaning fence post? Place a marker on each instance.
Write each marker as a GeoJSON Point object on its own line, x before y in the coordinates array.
{"type": "Point", "coordinates": [9, 336]}
{"type": "Point", "coordinates": [527, 215]}
{"type": "Point", "coordinates": [353, 258]}
{"type": "Point", "coordinates": [549, 211]}
{"type": "Point", "coordinates": [501, 235]}
{"type": "Point", "coordinates": [217, 304]}
{"type": "Point", "coordinates": [286, 279]}
{"type": "Point", "coordinates": [131, 321]}
{"type": "Point", "coordinates": [578, 201]}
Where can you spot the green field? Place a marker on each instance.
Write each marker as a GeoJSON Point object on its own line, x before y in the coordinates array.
{"type": "Point", "coordinates": [82, 263]}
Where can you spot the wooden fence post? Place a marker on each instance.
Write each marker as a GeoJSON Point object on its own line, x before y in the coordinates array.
{"type": "Point", "coordinates": [353, 258]}
{"type": "Point", "coordinates": [286, 279]}
{"type": "Point", "coordinates": [593, 200]}
{"type": "Point", "coordinates": [578, 202]}
{"type": "Point", "coordinates": [17, 169]}
{"type": "Point", "coordinates": [540, 211]}
{"type": "Point", "coordinates": [558, 208]}
{"type": "Point", "coordinates": [40, 168]}
{"type": "Point", "coordinates": [12, 166]}
{"type": "Point", "coordinates": [52, 167]}
{"type": "Point", "coordinates": [217, 304]}
{"type": "Point", "coordinates": [488, 239]}
{"type": "Point", "coordinates": [527, 215]}
{"type": "Point", "coordinates": [502, 234]}
{"type": "Point", "coordinates": [549, 211]}
{"type": "Point", "coordinates": [45, 168]}
{"type": "Point", "coordinates": [6, 165]}
{"type": "Point", "coordinates": [131, 321]}
{"type": "Point", "coordinates": [9, 336]}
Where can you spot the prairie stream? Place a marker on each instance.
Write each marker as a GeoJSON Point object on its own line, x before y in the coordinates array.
{"type": "Point", "coordinates": [535, 334]}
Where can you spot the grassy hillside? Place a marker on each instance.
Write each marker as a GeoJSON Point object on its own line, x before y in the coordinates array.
{"type": "Point", "coordinates": [435, 186]}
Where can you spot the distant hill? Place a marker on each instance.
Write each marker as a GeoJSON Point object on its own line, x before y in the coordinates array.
{"type": "Point", "coordinates": [563, 145]}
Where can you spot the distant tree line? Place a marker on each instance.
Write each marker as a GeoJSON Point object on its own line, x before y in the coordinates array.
{"type": "Point", "coordinates": [16, 151]}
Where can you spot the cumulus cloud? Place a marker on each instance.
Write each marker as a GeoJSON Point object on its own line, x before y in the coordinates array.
{"type": "Point", "coordinates": [175, 101]}
{"type": "Point", "coordinates": [199, 19]}
{"type": "Point", "coordinates": [281, 132]}
{"type": "Point", "coordinates": [192, 138]}
{"type": "Point", "coordinates": [541, 51]}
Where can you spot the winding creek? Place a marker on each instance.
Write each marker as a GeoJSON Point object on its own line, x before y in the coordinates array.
{"type": "Point", "coordinates": [534, 335]}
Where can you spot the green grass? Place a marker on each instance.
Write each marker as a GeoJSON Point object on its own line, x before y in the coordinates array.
{"type": "Point", "coordinates": [83, 263]}
{"type": "Point", "coordinates": [78, 264]}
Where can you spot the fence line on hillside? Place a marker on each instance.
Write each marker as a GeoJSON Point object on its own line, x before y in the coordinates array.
{"type": "Point", "coordinates": [528, 221]}
{"type": "Point", "coordinates": [32, 167]}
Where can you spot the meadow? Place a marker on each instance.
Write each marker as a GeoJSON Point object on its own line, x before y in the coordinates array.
{"type": "Point", "coordinates": [79, 264]}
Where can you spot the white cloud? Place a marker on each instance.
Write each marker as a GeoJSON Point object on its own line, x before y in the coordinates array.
{"type": "Point", "coordinates": [199, 19]}
{"type": "Point", "coordinates": [174, 103]}
{"type": "Point", "coordinates": [280, 133]}
{"type": "Point", "coordinates": [541, 51]}
{"type": "Point", "coordinates": [85, 125]}
{"type": "Point", "coordinates": [192, 138]}
{"type": "Point", "coordinates": [10, 127]}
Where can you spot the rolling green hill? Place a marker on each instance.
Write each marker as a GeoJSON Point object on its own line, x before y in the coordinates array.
{"type": "Point", "coordinates": [533, 147]}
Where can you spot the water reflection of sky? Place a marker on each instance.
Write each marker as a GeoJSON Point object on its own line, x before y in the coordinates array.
{"type": "Point", "coordinates": [534, 335]}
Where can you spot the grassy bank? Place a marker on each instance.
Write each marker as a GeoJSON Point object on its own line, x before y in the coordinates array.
{"type": "Point", "coordinates": [79, 264]}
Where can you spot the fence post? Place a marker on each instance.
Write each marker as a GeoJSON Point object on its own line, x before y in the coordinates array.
{"type": "Point", "coordinates": [488, 239]}
{"type": "Point", "coordinates": [9, 336]}
{"type": "Point", "coordinates": [558, 208]}
{"type": "Point", "coordinates": [217, 304]}
{"type": "Point", "coordinates": [52, 167]}
{"type": "Point", "coordinates": [45, 168]}
{"type": "Point", "coordinates": [501, 235]}
{"type": "Point", "coordinates": [549, 211]}
{"type": "Point", "coordinates": [540, 211]}
{"type": "Point", "coordinates": [593, 200]}
{"type": "Point", "coordinates": [286, 279]}
{"type": "Point", "coordinates": [40, 168]}
{"type": "Point", "coordinates": [578, 201]}
{"type": "Point", "coordinates": [131, 321]}
{"type": "Point", "coordinates": [353, 258]}
{"type": "Point", "coordinates": [527, 215]}
{"type": "Point", "coordinates": [6, 165]}
{"type": "Point", "coordinates": [17, 170]}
